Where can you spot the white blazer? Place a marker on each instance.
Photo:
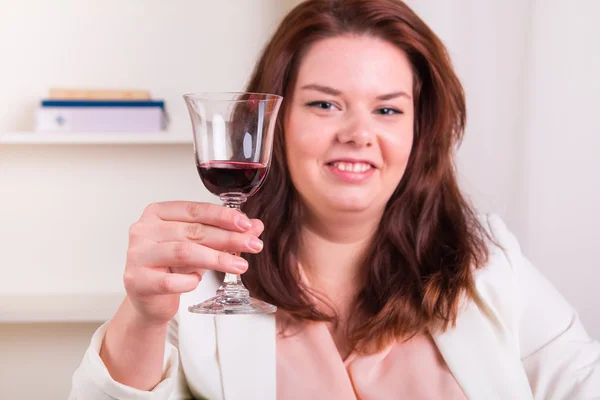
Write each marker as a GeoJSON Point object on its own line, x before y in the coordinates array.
{"type": "Point", "coordinates": [519, 339]}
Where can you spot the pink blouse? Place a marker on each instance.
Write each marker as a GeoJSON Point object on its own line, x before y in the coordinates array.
{"type": "Point", "coordinates": [309, 366]}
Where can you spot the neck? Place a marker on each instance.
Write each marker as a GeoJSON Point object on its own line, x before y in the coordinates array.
{"type": "Point", "coordinates": [332, 252]}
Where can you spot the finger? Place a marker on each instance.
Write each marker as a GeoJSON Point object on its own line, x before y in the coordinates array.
{"type": "Point", "coordinates": [187, 254]}
{"type": "Point", "coordinates": [257, 227]}
{"type": "Point", "coordinates": [188, 270]}
{"type": "Point", "coordinates": [206, 235]}
{"type": "Point", "coordinates": [205, 213]}
{"type": "Point", "coordinates": [151, 282]}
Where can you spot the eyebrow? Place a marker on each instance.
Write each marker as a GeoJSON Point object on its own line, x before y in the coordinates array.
{"type": "Point", "coordinates": [335, 92]}
{"type": "Point", "coordinates": [394, 95]}
{"type": "Point", "coordinates": [324, 89]}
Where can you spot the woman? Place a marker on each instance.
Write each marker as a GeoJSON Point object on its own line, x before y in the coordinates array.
{"type": "Point", "coordinates": [387, 284]}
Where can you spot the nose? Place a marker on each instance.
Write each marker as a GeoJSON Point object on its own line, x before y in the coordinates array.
{"type": "Point", "coordinates": [357, 132]}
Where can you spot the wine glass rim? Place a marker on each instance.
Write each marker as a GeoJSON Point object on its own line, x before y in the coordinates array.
{"type": "Point", "coordinates": [214, 96]}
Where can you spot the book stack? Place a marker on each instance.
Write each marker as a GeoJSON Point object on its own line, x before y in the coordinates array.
{"type": "Point", "coordinates": [72, 110]}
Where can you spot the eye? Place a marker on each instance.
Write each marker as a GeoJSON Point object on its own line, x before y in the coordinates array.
{"type": "Point", "coordinates": [322, 105]}
{"type": "Point", "coordinates": [388, 111]}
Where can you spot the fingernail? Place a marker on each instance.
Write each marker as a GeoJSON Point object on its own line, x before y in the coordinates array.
{"type": "Point", "coordinates": [240, 264]}
{"type": "Point", "coordinates": [243, 222]}
{"type": "Point", "coordinates": [255, 244]}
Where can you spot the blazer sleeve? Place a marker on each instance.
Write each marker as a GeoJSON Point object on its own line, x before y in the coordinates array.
{"type": "Point", "coordinates": [91, 380]}
{"type": "Point", "coordinates": [561, 360]}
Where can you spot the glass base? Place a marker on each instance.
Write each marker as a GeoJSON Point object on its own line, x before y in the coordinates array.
{"type": "Point", "coordinates": [232, 305]}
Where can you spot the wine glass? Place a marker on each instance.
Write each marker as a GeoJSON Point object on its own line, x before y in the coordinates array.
{"type": "Point", "coordinates": [233, 140]}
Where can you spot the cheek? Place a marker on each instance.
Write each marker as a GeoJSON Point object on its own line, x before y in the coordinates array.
{"type": "Point", "coordinates": [296, 148]}
{"type": "Point", "coordinates": [305, 141]}
{"type": "Point", "coordinates": [397, 148]}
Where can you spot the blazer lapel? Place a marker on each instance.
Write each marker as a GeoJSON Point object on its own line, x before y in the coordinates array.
{"type": "Point", "coordinates": [231, 357]}
{"type": "Point", "coordinates": [484, 367]}
{"type": "Point", "coordinates": [247, 356]}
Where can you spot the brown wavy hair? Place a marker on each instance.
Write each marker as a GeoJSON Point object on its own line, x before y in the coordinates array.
{"type": "Point", "coordinates": [421, 259]}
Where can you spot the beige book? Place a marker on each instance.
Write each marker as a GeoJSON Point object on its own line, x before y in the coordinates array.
{"type": "Point", "coordinates": [98, 94]}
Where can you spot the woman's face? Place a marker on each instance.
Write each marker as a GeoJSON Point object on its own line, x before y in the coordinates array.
{"type": "Point", "coordinates": [349, 124]}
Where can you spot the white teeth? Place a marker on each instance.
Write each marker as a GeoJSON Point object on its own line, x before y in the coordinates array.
{"type": "Point", "coordinates": [352, 167]}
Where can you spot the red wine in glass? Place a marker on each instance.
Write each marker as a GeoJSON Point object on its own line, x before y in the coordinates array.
{"type": "Point", "coordinates": [221, 177]}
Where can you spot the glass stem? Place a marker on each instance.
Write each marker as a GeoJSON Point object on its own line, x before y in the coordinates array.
{"type": "Point", "coordinates": [232, 286]}
{"type": "Point", "coordinates": [233, 278]}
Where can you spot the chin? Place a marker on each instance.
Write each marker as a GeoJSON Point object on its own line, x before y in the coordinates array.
{"type": "Point", "coordinates": [349, 203]}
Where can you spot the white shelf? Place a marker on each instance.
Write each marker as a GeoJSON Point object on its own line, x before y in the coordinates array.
{"type": "Point", "coordinates": [94, 138]}
{"type": "Point", "coordinates": [77, 307]}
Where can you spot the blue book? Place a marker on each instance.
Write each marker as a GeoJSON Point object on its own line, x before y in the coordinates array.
{"type": "Point", "coordinates": [103, 103]}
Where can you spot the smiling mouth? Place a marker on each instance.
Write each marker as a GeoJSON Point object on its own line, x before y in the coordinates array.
{"type": "Point", "coordinates": [356, 167]}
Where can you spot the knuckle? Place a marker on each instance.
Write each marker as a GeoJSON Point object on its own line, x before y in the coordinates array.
{"type": "Point", "coordinates": [194, 210]}
{"type": "Point", "coordinates": [195, 232]}
{"type": "Point", "coordinates": [151, 209]}
{"type": "Point", "coordinates": [165, 285]}
{"type": "Point", "coordinates": [183, 251]}
{"type": "Point", "coordinates": [135, 231]}
{"type": "Point", "coordinates": [133, 255]}
{"type": "Point", "coordinates": [223, 259]}
{"type": "Point", "coordinates": [226, 215]}
{"type": "Point", "coordinates": [129, 282]}
{"type": "Point", "coordinates": [231, 238]}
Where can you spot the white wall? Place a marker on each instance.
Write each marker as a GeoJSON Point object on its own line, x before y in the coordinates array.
{"type": "Point", "coordinates": [561, 186]}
